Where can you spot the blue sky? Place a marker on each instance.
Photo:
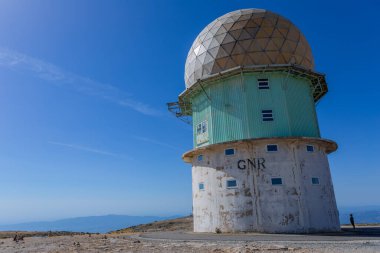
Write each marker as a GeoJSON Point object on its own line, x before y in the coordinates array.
{"type": "Point", "coordinates": [84, 128]}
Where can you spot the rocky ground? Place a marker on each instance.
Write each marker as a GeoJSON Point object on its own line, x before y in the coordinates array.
{"type": "Point", "coordinates": [132, 240]}
{"type": "Point", "coordinates": [125, 243]}
{"type": "Point", "coordinates": [23, 234]}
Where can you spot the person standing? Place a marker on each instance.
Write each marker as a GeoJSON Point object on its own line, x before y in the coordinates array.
{"type": "Point", "coordinates": [352, 220]}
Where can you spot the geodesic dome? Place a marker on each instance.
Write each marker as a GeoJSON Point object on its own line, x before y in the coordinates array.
{"type": "Point", "coordinates": [246, 38]}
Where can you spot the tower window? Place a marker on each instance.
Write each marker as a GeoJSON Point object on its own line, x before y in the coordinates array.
{"type": "Point", "coordinates": [263, 84]}
{"type": "Point", "coordinates": [267, 115]}
{"type": "Point", "coordinates": [229, 151]}
{"type": "Point", "coordinates": [315, 180]}
{"type": "Point", "coordinates": [201, 186]}
{"type": "Point", "coordinates": [202, 132]}
{"type": "Point", "coordinates": [231, 183]}
{"type": "Point", "coordinates": [310, 148]}
{"type": "Point", "coordinates": [272, 148]}
{"type": "Point", "coordinates": [200, 158]}
{"type": "Point", "coordinates": [277, 181]}
{"type": "Point", "coordinates": [202, 127]}
{"type": "Point", "coordinates": [199, 128]}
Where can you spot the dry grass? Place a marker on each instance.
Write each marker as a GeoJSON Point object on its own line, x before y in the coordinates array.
{"type": "Point", "coordinates": [179, 224]}
{"type": "Point", "coordinates": [11, 234]}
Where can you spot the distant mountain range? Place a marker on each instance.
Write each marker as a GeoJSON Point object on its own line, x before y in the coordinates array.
{"type": "Point", "coordinates": [103, 224]}
{"type": "Point", "coordinates": [92, 224]}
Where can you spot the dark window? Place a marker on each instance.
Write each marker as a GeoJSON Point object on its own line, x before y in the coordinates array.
{"type": "Point", "coordinates": [231, 183]}
{"type": "Point", "coordinates": [201, 186]}
{"type": "Point", "coordinates": [310, 148]}
{"type": "Point", "coordinates": [267, 115]}
{"type": "Point", "coordinates": [229, 151]}
{"type": "Point", "coordinates": [199, 128]}
{"type": "Point", "coordinates": [272, 148]}
{"type": "Point", "coordinates": [277, 181]}
{"type": "Point", "coordinates": [200, 157]}
{"type": "Point", "coordinates": [315, 180]}
{"type": "Point", "coordinates": [202, 127]}
{"type": "Point", "coordinates": [263, 84]}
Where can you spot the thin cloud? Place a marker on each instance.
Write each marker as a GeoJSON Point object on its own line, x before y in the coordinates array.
{"type": "Point", "coordinates": [156, 142]}
{"type": "Point", "coordinates": [54, 74]}
{"type": "Point", "coordinates": [86, 149]}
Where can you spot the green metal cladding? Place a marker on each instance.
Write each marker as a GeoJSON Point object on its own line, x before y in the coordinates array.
{"type": "Point", "coordinates": [233, 105]}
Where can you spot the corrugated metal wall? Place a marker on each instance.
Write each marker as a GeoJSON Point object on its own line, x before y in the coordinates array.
{"type": "Point", "coordinates": [234, 109]}
{"type": "Point", "coordinates": [228, 110]}
{"type": "Point", "coordinates": [201, 111]}
{"type": "Point", "coordinates": [301, 108]}
{"type": "Point", "coordinates": [271, 99]}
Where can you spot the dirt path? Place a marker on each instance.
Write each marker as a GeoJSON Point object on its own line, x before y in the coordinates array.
{"type": "Point", "coordinates": [347, 234]}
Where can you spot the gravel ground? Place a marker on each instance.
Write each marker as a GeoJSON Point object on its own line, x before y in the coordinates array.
{"type": "Point", "coordinates": [125, 243]}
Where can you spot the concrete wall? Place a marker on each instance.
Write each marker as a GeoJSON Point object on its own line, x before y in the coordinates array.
{"type": "Point", "coordinates": [256, 205]}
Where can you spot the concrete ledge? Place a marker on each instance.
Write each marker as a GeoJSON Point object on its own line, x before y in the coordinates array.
{"type": "Point", "coordinates": [329, 145]}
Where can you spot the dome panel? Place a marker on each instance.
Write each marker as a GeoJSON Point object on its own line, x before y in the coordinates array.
{"type": "Point", "coordinates": [246, 38]}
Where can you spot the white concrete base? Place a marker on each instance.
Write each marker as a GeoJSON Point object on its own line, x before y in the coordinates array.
{"type": "Point", "coordinates": [296, 206]}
